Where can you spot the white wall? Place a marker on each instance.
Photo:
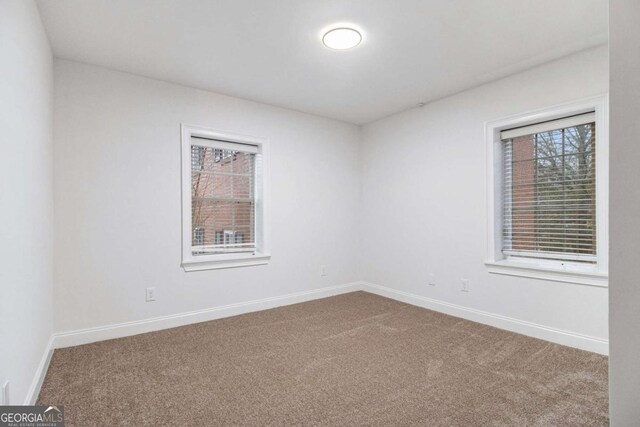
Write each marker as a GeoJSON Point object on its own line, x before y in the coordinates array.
{"type": "Point", "coordinates": [26, 194]}
{"type": "Point", "coordinates": [117, 198]}
{"type": "Point", "coordinates": [424, 199]}
{"type": "Point", "coordinates": [624, 308]}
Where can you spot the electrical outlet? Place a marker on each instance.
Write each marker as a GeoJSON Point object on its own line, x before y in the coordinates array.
{"type": "Point", "coordinates": [151, 294]}
{"type": "Point", "coordinates": [4, 397]}
{"type": "Point", "coordinates": [323, 270]}
{"type": "Point", "coordinates": [432, 279]}
{"type": "Point", "coordinates": [465, 285]}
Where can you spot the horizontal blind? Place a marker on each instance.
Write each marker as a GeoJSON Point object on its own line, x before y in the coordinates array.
{"type": "Point", "coordinates": [223, 201]}
{"type": "Point", "coordinates": [565, 122]}
{"type": "Point", "coordinates": [550, 191]}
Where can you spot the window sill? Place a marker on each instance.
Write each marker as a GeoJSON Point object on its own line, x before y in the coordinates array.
{"type": "Point", "coordinates": [214, 262]}
{"type": "Point", "coordinates": [580, 275]}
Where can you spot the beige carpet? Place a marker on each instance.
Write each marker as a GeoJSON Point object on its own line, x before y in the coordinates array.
{"type": "Point", "coordinates": [354, 359]}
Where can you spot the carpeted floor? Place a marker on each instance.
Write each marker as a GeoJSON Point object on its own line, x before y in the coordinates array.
{"type": "Point", "coordinates": [354, 359]}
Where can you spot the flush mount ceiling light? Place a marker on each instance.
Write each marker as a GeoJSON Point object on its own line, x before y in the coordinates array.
{"type": "Point", "coordinates": [342, 38]}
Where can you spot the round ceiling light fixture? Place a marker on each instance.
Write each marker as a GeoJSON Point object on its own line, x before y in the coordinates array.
{"type": "Point", "coordinates": [342, 38]}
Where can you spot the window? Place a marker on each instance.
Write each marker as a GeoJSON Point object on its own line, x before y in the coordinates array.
{"type": "Point", "coordinates": [223, 200]}
{"type": "Point", "coordinates": [548, 201]}
{"type": "Point", "coordinates": [198, 236]}
{"type": "Point", "coordinates": [549, 182]}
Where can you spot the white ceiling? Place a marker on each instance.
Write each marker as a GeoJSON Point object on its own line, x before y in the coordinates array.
{"type": "Point", "coordinates": [270, 51]}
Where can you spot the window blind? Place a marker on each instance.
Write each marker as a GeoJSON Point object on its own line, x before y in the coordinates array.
{"type": "Point", "coordinates": [223, 201]}
{"type": "Point", "coordinates": [550, 190]}
{"type": "Point", "coordinates": [565, 122]}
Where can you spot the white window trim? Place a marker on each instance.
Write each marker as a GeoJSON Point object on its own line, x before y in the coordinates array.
{"type": "Point", "coordinates": [215, 261]}
{"type": "Point", "coordinates": [560, 271]}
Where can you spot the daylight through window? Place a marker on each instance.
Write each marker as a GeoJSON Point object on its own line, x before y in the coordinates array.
{"type": "Point", "coordinates": [223, 197]}
{"type": "Point", "coordinates": [550, 190]}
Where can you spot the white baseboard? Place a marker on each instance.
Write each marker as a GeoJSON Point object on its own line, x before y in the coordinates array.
{"type": "Point", "coordinates": [89, 335]}
{"type": "Point", "coordinates": [119, 330]}
{"type": "Point", "coordinates": [41, 372]}
{"type": "Point", "coordinates": [558, 336]}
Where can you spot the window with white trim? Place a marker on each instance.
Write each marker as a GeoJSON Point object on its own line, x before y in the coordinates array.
{"type": "Point", "coordinates": [549, 182]}
{"type": "Point", "coordinates": [223, 200]}
{"type": "Point", "coordinates": [547, 189]}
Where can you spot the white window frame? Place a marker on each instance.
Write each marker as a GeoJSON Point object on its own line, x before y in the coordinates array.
{"type": "Point", "coordinates": [262, 254]}
{"type": "Point", "coordinates": [554, 270]}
